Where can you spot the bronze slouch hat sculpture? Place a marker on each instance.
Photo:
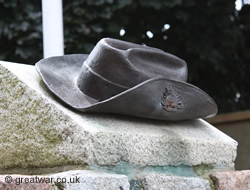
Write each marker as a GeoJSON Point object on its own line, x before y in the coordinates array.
{"type": "Point", "coordinates": [126, 78]}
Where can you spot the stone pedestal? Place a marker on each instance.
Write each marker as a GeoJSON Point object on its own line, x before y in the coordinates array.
{"type": "Point", "coordinates": [38, 131]}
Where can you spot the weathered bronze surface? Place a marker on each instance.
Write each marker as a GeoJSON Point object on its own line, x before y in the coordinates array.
{"type": "Point", "coordinates": [126, 78]}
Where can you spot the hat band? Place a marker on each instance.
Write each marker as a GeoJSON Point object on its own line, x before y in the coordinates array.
{"type": "Point", "coordinates": [95, 86]}
{"type": "Point", "coordinates": [92, 71]}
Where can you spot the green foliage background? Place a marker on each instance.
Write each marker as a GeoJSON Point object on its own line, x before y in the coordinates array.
{"type": "Point", "coordinates": [210, 35]}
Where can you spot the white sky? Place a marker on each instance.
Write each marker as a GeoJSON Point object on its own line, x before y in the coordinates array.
{"type": "Point", "coordinates": [238, 4]}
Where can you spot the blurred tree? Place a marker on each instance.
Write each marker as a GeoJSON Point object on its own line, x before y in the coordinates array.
{"type": "Point", "coordinates": [242, 81]}
{"type": "Point", "coordinates": [20, 31]}
{"type": "Point", "coordinates": [210, 35]}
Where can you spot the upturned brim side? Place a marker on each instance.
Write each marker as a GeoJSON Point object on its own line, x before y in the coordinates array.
{"type": "Point", "coordinates": [147, 99]}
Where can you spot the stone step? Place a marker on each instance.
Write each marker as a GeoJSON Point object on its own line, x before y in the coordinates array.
{"type": "Point", "coordinates": [90, 180]}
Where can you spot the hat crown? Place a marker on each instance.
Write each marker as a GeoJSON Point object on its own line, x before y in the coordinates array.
{"type": "Point", "coordinates": [114, 66]}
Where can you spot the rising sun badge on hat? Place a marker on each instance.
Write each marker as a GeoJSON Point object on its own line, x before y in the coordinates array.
{"type": "Point", "coordinates": [126, 78]}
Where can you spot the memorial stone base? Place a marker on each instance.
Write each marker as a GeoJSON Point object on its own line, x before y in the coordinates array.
{"type": "Point", "coordinates": [41, 137]}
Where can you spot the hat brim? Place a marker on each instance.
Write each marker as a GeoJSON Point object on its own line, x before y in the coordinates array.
{"type": "Point", "coordinates": [143, 100]}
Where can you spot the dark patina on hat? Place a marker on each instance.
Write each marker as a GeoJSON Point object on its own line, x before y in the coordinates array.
{"type": "Point", "coordinates": [126, 78]}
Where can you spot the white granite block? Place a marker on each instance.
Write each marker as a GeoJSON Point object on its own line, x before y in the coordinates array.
{"type": "Point", "coordinates": [38, 131]}
{"type": "Point", "coordinates": [164, 182]}
{"type": "Point", "coordinates": [70, 180]}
